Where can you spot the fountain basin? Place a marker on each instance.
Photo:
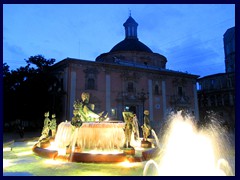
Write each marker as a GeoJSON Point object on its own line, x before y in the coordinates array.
{"type": "Point", "coordinates": [150, 153]}
{"type": "Point", "coordinates": [93, 158]}
{"type": "Point", "coordinates": [91, 143]}
{"type": "Point", "coordinates": [45, 153]}
{"type": "Point", "coordinates": [91, 135]}
{"type": "Point", "coordinates": [96, 157]}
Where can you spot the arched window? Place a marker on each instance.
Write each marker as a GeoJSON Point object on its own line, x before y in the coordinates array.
{"type": "Point", "coordinates": [91, 83]}
{"type": "Point", "coordinates": [91, 78]}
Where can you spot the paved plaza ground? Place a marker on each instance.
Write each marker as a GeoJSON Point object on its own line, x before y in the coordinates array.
{"type": "Point", "coordinates": [8, 136]}
{"type": "Point", "coordinates": [21, 161]}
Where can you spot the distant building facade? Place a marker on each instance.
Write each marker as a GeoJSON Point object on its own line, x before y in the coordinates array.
{"type": "Point", "coordinates": [217, 91]}
{"type": "Point", "coordinates": [229, 50]}
{"type": "Point", "coordinates": [128, 77]}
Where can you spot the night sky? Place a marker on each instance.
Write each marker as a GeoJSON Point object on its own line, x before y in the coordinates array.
{"type": "Point", "coordinates": [190, 36]}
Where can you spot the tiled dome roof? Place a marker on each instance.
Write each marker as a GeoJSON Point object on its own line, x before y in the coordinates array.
{"type": "Point", "coordinates": [130, 45]}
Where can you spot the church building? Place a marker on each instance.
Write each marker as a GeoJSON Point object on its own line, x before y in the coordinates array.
{"type": "Point", "coordinates": [130, 77]}
{"type": "Point", "coordinates": [216, 92]}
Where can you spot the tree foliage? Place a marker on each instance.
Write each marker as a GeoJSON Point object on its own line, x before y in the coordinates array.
{"type": "Point", "coordinates": [26, 90]}
{"type": "Point", "coordinates": [41, 63]}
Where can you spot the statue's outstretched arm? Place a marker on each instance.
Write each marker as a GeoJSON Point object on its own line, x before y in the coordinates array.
{"type": "Point", "coordinates": [90, 113]}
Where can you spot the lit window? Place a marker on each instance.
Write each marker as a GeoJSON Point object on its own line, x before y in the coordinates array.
{"type": "Point", "coordinates": [113, 112]}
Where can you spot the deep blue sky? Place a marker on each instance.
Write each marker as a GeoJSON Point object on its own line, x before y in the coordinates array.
{"type": "Point", "coordinates": [189, 36]}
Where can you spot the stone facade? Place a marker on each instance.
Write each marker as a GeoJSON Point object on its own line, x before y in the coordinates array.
{"type": "Point", "coordinates": [216, 92]}
{"type": "Point", "coordinates": [129, 77]}
{"type": "Point", "coordinates": [229, 49]}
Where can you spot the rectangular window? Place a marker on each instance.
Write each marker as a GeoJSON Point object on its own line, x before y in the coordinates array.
{"type": "Point", "coordinates": [156, 90]}
{"type": "Point", "coordinates": [199, 86]}
{"type": "Point", "coordinates": [129, 31]}
{"type": "Point", "coordinates": [130, 87]}
{"type": "Point", "coordinates": [212, 99]}
{"type": "Point", "coordinates": [91, 83]}
{"type": "Point", "coordinates": [219, 100]}
{"type": "Point", "coordinates": [180, 91]}
{"type": "Point", "coordinates": [212, 83]}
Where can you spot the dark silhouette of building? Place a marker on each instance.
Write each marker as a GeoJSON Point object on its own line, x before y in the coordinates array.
{"type": "Point", "coordinates": [216, 92]}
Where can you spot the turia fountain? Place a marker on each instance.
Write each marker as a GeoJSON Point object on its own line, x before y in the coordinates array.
{"type": "Point", "coordinates": [185, 148]}
{"type": "Point", "coordinates": [92, 137]}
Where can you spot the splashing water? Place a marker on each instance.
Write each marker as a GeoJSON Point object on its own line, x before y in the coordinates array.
{"type": "Point", "coordinates": [156, 138]}
{"type": "Point", "coordinates": [189, 151]}
{"type": "Point", "coordinates": [90, 136]}
{"type": "Point", "coordinates": [145, 170]}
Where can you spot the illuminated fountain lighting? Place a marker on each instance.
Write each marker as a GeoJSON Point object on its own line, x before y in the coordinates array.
{"type": "Point", "coordinates": [189, 151]}
{"type": "Point", "coordinates": [156, 138]}
{"type": "Point", "coordinates": [90, 137]}
{"type": "Point", "coordinates": [93, 142]}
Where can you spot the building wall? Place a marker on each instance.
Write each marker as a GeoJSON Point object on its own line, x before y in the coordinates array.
{"type": "Point", "coordinates": [111, 94]}
{"type": "Point", "coordinates": [216, 92]}
{"type": "Point", "coordinates": [229, 49]}
{"type": "Point", "coordinates": [135, 57]}
{"type": "Point", "coordinates": [217, 95]}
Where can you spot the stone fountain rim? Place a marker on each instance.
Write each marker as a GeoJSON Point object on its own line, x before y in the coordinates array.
{"type": "Point", "coordinates": [93, 158]}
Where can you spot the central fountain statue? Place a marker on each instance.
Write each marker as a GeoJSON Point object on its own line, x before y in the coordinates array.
{"type": "Point", "coordinates": [88, 130]}
{"type": "Point", "coordinates": [85, 111]}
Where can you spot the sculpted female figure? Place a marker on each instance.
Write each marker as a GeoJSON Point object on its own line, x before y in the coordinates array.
{"type": "Point", "coordinates": [128, 128]}
{"type": "Point", "coordinates": [146, 126]}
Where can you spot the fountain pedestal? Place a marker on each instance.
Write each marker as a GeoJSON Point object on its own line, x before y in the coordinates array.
{"type": "Point", "coordinates": [129, 151]}
{"type": "Point", "coordinates": [146, 144]}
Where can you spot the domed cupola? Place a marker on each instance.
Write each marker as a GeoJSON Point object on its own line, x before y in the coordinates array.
{"type": "Point", "coordinates": [131, 42]}
{"type": "Point", "coordinates": [130, 28]}
{"type": "Point", "coordinates": [131, 50]}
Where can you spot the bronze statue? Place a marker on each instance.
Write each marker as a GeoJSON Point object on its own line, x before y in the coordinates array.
{"type": "Point", "coordinates": [49, 125]}
{"type": "Point", "coordinates": [128, 128]}
{"type": "Point", "coordinates": [86, 109]}
{"type": "Point", "coordinates": [53, 125]}
{"type": "Point", "coordinates": [146, 126]}
{"type": "Point", "coordinates": [76, 120]}
{"type": "Point", "coordinates": [46, 126]}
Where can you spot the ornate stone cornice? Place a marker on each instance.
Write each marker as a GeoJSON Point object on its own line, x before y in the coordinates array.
{"type": "Point", "coordinates": [127, 75]}
{"type": "Point", "coordinates": [179, 82]}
